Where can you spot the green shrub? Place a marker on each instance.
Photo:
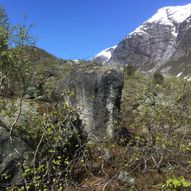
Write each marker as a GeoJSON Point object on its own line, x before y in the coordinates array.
{"type": "Point", "coordinates": [129, 70]}
{"type": "Point", "coordinates": [58, 142]}
{"type": "Point", "coordinates": [177, 183]}
{"type": "Point", "coordinates": [158, 78]}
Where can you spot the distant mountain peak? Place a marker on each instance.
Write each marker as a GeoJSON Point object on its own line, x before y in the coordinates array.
{"type": "Point", "coordinates": [156, 44]}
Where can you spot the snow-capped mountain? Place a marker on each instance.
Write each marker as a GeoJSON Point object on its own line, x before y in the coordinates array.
{"type": "Point", "coordinates": [163, 38]}
{"type": "Point", "coordinates": [105, 55]}
{"type": "Point", "coordinates": [170, 16]}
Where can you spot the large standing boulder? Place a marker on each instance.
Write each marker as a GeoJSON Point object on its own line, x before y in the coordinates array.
{"type": "Point", "coordinates": [97, 95]}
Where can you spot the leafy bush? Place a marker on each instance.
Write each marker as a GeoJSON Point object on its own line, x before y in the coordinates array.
{"type": "Point", "coordinates": [158, 78]}
{"type": "Point", "coordinates": [129, 70]}
{"type": "Point", "coordinates": [158, 119]}
{"type": "Point", "coordinates": [177, 183]}
{"type": "Point", "coordinates": [58, 142]}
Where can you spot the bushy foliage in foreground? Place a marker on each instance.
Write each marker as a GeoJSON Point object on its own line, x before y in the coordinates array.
{"type": "Point", "coordinates": [159, 117]}
{"type": "Point", "coordinates": [156, 154]}
{"type": "Point", "coordinates": [57, 146]}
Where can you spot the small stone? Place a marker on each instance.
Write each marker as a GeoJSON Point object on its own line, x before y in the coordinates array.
{"type": "Point", "coordinates": [126, 178]}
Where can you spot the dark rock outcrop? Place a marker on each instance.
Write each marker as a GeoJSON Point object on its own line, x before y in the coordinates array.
{"type": "Point", "coordinates": [10, 173]}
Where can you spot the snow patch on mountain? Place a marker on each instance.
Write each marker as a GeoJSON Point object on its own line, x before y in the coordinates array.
{"type": "Point", "coordinates": [139, 30]}
{"type": "Point", "coordinates": [107, 52]}
{"type": "Point", "coordinates": [105, 55]}
{"type": "Point", "coordinates": [179, 74]}
{"type": "Point", "coordinates": [171, 15]}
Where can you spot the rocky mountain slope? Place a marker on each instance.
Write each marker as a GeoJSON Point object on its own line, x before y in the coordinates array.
{"type": "Point", "coordinates": [163, 38]}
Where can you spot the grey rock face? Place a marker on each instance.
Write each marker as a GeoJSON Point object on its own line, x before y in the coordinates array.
{"type": "Point", "coordinates": [97, 96]}
{"type": "Point", "coordinates": [9, 159]}
{"type": "Point", "coordinates": [146, 50]}
{"type": "Point", "coordinates": [183, 45]}
{"type": "Point", "coordinates": [179, 63]}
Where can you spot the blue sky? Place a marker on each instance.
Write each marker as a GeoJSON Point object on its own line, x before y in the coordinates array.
{"type": "Point", "coordinates": [78, 29]}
